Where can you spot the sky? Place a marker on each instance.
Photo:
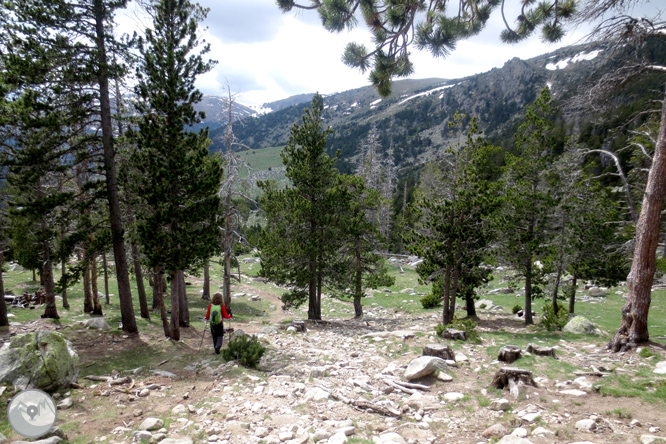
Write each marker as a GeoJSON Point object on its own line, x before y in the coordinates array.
{"type": "Point", "coordinates": [266, 55]}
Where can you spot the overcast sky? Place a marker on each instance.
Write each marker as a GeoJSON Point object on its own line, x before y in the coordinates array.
{"type": "Point", "coordinates": [266, 55]}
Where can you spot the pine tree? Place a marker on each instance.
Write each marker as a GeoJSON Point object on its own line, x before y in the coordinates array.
{"type": "Point", "coordinates": [451, 233]}
{"type": "Point", "coordinates": [524, 223]}
{"type": "Point", "coordinates": [178, 180]}
{"type": "Point", "coordinates": [297, 245]}
{"type": "Point", "coordinates": [66, 45]}
{"type": "Point", "coordinates": [397, 24]}
{"type": "Point", "coordinates": [358, 265]}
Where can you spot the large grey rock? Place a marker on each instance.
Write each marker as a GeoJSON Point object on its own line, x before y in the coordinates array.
{"type": "Point", "coordinates": [495, 430]}
{"type": "Point", "coordinates": [98, 323]}
{"type": "Point", "coordinates": [581, 326]}
{"type": "Point", "coordinates": [661, 368]}
{"type": "Point", "coordinates": [423, 366]}
{"type": "Point", "coordinates": [43, 360]}
{"type": "Point", "coordinates": [598, 292]}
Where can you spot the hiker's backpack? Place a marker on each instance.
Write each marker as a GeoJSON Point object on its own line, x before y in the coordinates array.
{"type": "Point", "coordinates": [215, 314]}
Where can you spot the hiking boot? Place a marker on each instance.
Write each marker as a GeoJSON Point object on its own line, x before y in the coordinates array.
{"type": "Point", "coordinates": [217, 350]}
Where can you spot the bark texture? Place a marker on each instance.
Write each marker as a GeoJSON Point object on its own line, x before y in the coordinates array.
{"type": "Point", "coordinates": [634, 327]}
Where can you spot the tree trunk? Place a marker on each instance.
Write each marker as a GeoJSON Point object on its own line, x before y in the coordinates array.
{"type": "Point", "coordinates": [34, 276]}
{"type": "Point", "coordinates": [226, 291]}
{"type": "Point", "coordinates": [117, 238]}
{"type": "Point", "coordinates": [87, 295]}
{"type": "Point", "coordinates": [184, 311]}
{"type": "Point", "coordinates": [175, 307]}
{"type": "Point", "coordinates": [572, 295]}
{"type": "Point", "coordinates": [446, 314]}
{"type": "Point", "coordinates": [205, 294]}
{"type": "Point", "coordinates": [158, 289]}
{"type": "Point", "coordinates": [313, 314]}
{"type": "Point", "coordinates": [634, 328]}
{"type": "Point", "coordinates": [106, 279]}
{"type": "Point", "coordinates": [358, 287]}
{"type": "Point", "coordinates": [4, 321]}
{"type": "Point", "coordinates": [528, 292]}
{"type": "Point", "coordinates": [557, 287]}
{"type": "Point", "coordinates": [50, 309]}
{"type": "Point", "coordinates": [63, 268]}
{"type": "Point", "coordinates": [97, 307]}
{"type": "Point", "coordinates": [141, 289]}
{"type": "Point", "coordinates": [469, 305]}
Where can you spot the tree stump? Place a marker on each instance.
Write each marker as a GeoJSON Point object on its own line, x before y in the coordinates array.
{"type": "Point", "coordinates": [439, 350]}
{"type": "Point", "coordinates": [453, 334]}
{"type": "Point", "coordinates": [541, 351]}
{"type": "Point", "coordinates": [509, 353]}
{"type": "Point", "coordinates": [299, 326]}
{"type": "Point", "coordinates": [514, 378]}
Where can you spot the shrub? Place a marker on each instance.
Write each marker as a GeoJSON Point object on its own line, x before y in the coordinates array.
{"type": "Point", "coordinates": [550, 321]}
{"type": "Point", "coordinates": [466, 325]}
{"type": "Point", "coordinates": [431, 301]}
{"type": "Point", "coordinates": [516, 308]}
{"type": "Point", "coordinates": [245, 349]}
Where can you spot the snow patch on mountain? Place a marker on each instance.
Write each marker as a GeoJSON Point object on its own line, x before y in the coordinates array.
{"type": "Point", "coordinates": [425, 93]}
{"type": "Point", "coordinates": [578, 58]}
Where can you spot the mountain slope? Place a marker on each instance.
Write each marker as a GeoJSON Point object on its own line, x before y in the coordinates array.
{"type": "Point", "coordinates": [412, 123]}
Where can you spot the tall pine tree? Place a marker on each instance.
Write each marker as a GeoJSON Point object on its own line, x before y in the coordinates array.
{"type": "Point", "coordinates": [176, 180]}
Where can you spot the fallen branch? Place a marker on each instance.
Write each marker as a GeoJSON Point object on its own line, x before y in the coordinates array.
{"type": "Point", "coordinates": [410, 385]}
{"type": "Point", "coordinates": [120, 381]}
{"type": "Point", "coordinates": [98, 378]}
{"type": "Point", "coordinates": [366, 406]}
{"type": "Point", "coordinates": [399, 387]}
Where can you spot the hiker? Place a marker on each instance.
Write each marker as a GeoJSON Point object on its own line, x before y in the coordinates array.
{"type": "Point", "coordinates": [216, 312]}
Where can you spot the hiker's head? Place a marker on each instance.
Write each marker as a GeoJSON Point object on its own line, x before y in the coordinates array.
{"type": "Point", "coordinates": [217, 299]}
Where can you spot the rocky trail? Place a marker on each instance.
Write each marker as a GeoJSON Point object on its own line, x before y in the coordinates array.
{"type": "Point", "coordinates": [343, 381]}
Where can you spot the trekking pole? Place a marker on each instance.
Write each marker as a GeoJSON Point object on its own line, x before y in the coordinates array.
{"type": "Point", "coordinates": [204, 334]}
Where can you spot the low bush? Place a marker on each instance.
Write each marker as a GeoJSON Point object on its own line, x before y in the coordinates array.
{"type": "Point", "coordinates": [552, 322]}
{"type": "Point", "coordinates": [431, 301]}
{"type": "Point", "coordinates": [245, 349]}
{"type": "Point", "coordinates": [516, 308]}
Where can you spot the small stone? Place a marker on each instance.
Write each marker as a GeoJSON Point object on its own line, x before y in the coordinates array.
{"type": "Point", "coordinates": [179, 409]}
{"type": "Point", "coordinates": [541, 431]}
{"type": "Point", "coordinates": [453, 396]}
{"type": "Point", "coordinates": [573, 392]}
{"type": "Point", "coordinates": [520, 432]}
{"type": "Point", "coordinates": [500, 405]}
{"type": "Point", "coordinates": [261, 432]}
{"type": "Point", "coordinates": [143, 436]}
{"type": "Point", "coordinates": [151, 424]}
{"type": "Point", "coordinates": [586, 425]}
{"type": "Point", "coordinates": [660, 369]}
{"type": "Point", "coordinates": [65, 403]}
{"type": "Point", "coordinates": [444, 377]}
{"type": "Point", "coordinates": [635, 423]}
{"type": "Point", "coordinates": [338, 438]}
{"type": "Point", "coordinates": [144, 392]}
{"type": "Point", "coordinates": [496, 430]}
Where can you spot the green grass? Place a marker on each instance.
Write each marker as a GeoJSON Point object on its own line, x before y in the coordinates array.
{"type": "Point", "coordinates": [262, 159]}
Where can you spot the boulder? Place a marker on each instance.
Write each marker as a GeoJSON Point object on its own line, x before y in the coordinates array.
{"type": "Point", "coordinates": [98, 323]}
{"type": "Point", "coordinates": [42, 360]}
{"type": "Point", "coordinates": [597, 292]}
{"type": "Point", "coordinates": [423, 366]}
{"type": "Point", "coordinates": [581, 326]}
{"type": "Point", "coordinates": [484, 304]}
{"type": "Point", "coordinates": [151, 424]}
